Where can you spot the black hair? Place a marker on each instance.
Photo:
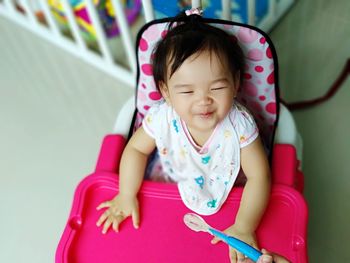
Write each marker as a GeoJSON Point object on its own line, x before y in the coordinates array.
{"type": "Point", "coordinates": [188, 35]}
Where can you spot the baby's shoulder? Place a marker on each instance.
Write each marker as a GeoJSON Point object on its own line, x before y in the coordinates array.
{"type": "Point", "coordinates": [162, 113]}
{"type": "Point", "coordinates": [238, 110]}
{"type": "Point", "coordinates": [157, 108]}
{"type": "Point", "coordinates": [240, 115]}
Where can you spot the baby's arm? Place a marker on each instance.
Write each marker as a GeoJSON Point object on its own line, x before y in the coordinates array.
{"type": "Point", "coordinates": [257, 189]}
{"type": "Point", "coordinates": [132, 169]}
{"type": "Point", "coordinates": [254, 198]}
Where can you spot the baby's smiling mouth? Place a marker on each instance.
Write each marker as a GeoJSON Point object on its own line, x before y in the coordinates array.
{"type": "Point", "coordinates": [206, 115]}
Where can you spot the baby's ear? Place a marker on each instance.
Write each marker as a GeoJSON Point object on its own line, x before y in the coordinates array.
{"type": "Point", "coordinates": [163, 88]}
{"type": "Point", "coordinates": [237, 80]}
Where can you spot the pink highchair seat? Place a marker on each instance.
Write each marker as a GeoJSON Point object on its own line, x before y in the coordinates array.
{"type": "Point", "coordinates": [162, 236]}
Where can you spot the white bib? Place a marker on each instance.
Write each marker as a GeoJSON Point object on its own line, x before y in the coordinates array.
{"type": "Point", "coordinates": [204, 176]}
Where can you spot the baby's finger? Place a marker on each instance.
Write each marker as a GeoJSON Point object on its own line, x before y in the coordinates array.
{"type": "Point", "coordinates": [106, 225]}
{"type": "Point", "coordinates": [115, 225]}
{"type": "Point", "coordinates": [215, 240]}
{"type": "Point", "coordinates": [265, 259]}
{"type": "Point", "coordinates": [102, 218]}
{"type": "Point", "coordinates": [240, 257]}
{"type": "Point", "coordinates": [135, 218]}
{"type": "Point", "coordinates": [118, 219]}
{"type": "Point", "coordinates": [233, 256]}
{"type": "Point", "coordinates": [103, 205]}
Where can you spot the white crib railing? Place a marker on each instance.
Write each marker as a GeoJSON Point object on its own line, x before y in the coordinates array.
{"type": "Point", "coordinates": [24, 12]}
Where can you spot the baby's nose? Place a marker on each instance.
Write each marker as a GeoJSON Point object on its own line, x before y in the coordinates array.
{"type": "Point", "coordinates": [204, 99]}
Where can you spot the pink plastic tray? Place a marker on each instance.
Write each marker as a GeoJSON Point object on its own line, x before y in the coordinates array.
{"type": "Point", "coordinates": [163, 237]}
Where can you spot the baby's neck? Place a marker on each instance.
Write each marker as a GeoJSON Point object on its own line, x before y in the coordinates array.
{"type": "Point", "coordinates": [200, 137]}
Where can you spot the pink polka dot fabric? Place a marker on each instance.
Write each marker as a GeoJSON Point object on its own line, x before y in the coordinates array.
{"type": "Point", "coordinates": [258, 92]}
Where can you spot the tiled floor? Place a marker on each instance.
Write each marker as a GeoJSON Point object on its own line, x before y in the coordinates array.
{"type": "Point", "coordinates": [54, 111]}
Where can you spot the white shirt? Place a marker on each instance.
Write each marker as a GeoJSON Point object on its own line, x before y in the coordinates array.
{"type": "Point", "coordinates": [205, 175]}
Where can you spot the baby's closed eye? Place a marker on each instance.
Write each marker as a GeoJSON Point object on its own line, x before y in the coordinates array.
{"type": "Point", "coordinates": [218, 88]}
{"type": "Point", "coordinates": [186, 92]}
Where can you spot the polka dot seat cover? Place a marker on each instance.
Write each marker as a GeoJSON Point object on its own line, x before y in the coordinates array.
{"type": "Point", "coordinates": [259, 88]}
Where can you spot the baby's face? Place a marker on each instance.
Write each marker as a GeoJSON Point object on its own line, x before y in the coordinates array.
{"type": "Point", "coordinates": [201, 91]}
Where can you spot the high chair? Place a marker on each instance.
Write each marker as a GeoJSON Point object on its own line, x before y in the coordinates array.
{"type": "Point", "coordinates": [162, 236]}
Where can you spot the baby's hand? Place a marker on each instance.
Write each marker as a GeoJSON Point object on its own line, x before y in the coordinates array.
{"type": "Point", "coordinates": [249, 238]}
{"type": "Point", "coordinates": [119, 208]}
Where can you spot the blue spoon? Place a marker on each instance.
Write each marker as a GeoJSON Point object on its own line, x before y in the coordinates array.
{"type": "Point", "coordinates": [197, 223]}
